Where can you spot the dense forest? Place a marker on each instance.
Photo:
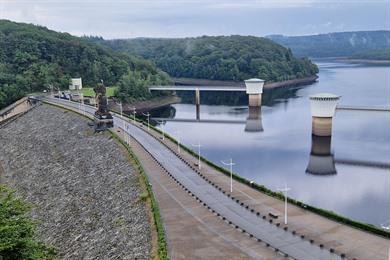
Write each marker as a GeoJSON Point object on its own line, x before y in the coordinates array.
{"type": "Point", "coordinates": [33, 58]}
{"type": "Point", "coordinates": [383, 54]}
{"type": "Point", "coordinates": [217, 57]}
{"type": "Point", "coordinates": [342, 44]}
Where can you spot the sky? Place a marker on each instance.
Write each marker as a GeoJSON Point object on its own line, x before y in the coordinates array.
{"type": "Point", "coordinates": [183, 18]}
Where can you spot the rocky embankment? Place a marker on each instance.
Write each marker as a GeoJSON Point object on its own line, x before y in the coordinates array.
{"type": "Point", "coordinates": [85, 193]}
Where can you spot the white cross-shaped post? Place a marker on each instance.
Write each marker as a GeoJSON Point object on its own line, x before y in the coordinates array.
{"type": "Point", "coordinates": [147, 115]}
{"type": "Point", "coordinates": [284, 190]}
{"type": "Point", "coordinates": [231, 172]}
{"type": "Point", "coordinates": [134, 112]}
{"type": "Point", "coordinates": [162, 129]}
{"type": "Point", "coordinates": [178, 141]}
{"type": "Point", "coordinates": [198, 145]}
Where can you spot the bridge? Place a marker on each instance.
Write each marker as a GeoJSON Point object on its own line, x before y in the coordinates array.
{"type": "Point", "coordinates": [188, 120]}
{"type": "Point", "coordinates": [371, 164]}
{"type": "Point", "coordinates": [199, 88]}
{"type": "Point", "coordinates": [253, 87]}
{"type": "Point", "coordinates": [364, 108]}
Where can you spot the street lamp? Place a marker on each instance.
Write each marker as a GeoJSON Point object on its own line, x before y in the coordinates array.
{"type": "Point", "coordinates": [134, 112]}
{"type": "Point", "coordinates": [82, 103]}
{"type": "Point", "coordinates": [147, 115]}
{"type": "Point", "coordinates": [123, 121]}
{"type": "Point", "coordinates": [231, 172]}
{"type": "Point", "coordinates": [128, 136]}
{"type": "Point", "coordinates": [198, 145]}
{"type": "Point", "coordinates": [178, 141]}
{"type": "Point", "coordinates": [284, 190]}
{"type": "Point", "coordinates": [162, 129]}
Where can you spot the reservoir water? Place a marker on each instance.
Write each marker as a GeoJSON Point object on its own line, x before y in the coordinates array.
{"type": "Point", "coordinates": [274, 147]}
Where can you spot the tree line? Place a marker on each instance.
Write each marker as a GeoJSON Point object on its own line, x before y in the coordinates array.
{"type": "Point", "coordinates": [33, 58]}
{"type": "Point", "coordinates": [217, 57]}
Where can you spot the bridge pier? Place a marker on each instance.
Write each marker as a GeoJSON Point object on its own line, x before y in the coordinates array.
{"type": "Point", "coordinates": [254, 100]}
{"type": "Point", "coordinates": [323, 107]}
{"type": "Point", "coordinates": [254, 89]}
{"type": "Point", "coordinates": [197, 103]}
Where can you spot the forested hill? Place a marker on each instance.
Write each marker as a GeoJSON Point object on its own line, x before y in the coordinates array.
{"type": "Point", "coordinates": [342, 44]}
{"type": "Point", "coordinates": [33, 57]}
{"type": "Point", "coordinates": [218, 57]}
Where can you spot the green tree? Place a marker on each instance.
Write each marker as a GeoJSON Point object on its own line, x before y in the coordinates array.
{"type": "Point", "coordinates": [17, 230]}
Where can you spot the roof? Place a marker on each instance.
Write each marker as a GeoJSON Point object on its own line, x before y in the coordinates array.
{"type": "Point", "coordinates": [324, 96]}
{"type": "Point", "coordinates": [254, 80]}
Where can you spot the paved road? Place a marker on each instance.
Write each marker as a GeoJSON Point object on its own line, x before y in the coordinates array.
{"type": "Point", "coordinates": [286, 242]}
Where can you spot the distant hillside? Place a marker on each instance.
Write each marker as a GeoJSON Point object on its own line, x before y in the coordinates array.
{"type": "Point", "coordinates": [343, 44]}
{"type": "Point", "coordinates": [218, 58]}
{"type": "Point", "coordinates": [33, 57]}
{"type": "Point", "coordinates": [383, 54]}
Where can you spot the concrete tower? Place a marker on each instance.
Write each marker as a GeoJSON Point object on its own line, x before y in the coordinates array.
{"type": "Point", "coordinates": [254, 89]}
{"type": "Point", "coordinates": [323, 107]}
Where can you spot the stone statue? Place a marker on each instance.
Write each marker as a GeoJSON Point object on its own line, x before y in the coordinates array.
{"type": "Point", "coordinates": [103, 118]}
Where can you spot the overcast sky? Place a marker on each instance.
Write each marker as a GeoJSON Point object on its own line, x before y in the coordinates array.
{"type": "Point", "coordinates": [179, 18]}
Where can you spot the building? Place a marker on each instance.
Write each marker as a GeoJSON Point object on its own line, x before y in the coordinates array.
{"type": "Point", "coordinates": [75, 84]}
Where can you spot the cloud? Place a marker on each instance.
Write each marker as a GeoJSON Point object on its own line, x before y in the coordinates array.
{"type": "Point", "coordinates": [174, 18]}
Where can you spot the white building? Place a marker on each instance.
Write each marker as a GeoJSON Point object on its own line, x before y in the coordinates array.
{"type": "Point", "coordinates": [75, 84]}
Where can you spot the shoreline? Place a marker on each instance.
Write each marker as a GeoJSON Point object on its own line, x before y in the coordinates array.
{"type": "Point", "coordinates": [230, 83]}
{"type": "Point", "coordinates": [365, 61]}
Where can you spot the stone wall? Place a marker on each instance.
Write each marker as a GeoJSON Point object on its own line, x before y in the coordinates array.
{"type": "Point", "coordinates": [84, 191]}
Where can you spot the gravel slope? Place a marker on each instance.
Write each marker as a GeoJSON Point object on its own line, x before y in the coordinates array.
{"type": "Point", "coordinates": [84, 191]}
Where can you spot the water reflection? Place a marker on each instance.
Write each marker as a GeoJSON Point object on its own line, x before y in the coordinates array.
{"type": "Point", "coordinates": [253, 121]}
{"type": "Point", "coordinates": [321, 160]}
{"type": "Point", "coordinates": [281, 152]}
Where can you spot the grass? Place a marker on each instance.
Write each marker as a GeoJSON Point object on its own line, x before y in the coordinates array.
{"type": "Point", "coordinates": [162, 242]}
{"type": "Point", "coordinates": [89, 91]}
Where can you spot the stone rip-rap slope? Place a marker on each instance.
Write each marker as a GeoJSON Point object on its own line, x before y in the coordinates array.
{"type": "Point", "coordinates": [84, 191]}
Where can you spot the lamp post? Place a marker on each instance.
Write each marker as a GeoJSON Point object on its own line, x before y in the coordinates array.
{"type": "Point", "coordinates": [147, 115]}
{"type": "Point", "coordinates": [128, 136]}
{"type": "Point", "coordinates": [178, 141]}
{"type": "Point", "coordinates": [284, 190]}
{"type": "Point", "coordinates": [82, 103]}
{"type": "Point", "coordinates": [162, 129]}
{"type": "Point", "coordinates": [134, 112]}
{"type": "Point", "coordinates": [123, 121]}
{"type": "Point", "coordinates": [198, 145]}
{"type": "Point", "coordinates": [230, 163]}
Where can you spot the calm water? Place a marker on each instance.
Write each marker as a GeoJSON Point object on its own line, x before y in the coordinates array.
{"type": "Point", "coordinates": [281, 152]}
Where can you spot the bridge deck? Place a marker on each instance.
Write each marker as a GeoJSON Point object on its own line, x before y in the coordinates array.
{"type": "Point", "coordinates": [201, 88]}
{"type": "Point", "coordinates": [364, 108]}
{"type": "Point", "coordinates": [189, 120]}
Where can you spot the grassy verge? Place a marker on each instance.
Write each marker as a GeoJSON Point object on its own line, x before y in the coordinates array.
{"type": "Point", "coordinates": [162, 243]}
{"type": "Point", "coordinates": [89, 91]}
